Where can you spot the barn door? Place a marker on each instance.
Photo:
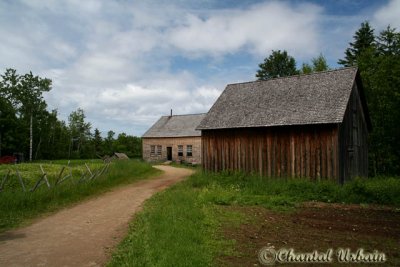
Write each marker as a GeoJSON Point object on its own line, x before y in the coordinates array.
{"type": "Point", "coordinates": [169, 153]}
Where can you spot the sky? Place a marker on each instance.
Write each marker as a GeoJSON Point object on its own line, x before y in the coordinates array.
{"type": "Point", "coordinates": [126, 63]}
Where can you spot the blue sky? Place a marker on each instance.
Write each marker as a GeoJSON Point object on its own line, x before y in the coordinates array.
{"type": "Point", "coordinates": [126, 63]}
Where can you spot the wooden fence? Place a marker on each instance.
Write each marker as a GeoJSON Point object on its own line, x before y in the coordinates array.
{"type": "Point", "coordinates": [64, 174]}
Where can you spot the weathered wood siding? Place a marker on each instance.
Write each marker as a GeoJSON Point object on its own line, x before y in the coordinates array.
{"type": "Point", "coordinates": [173, 142]}
{"type": "Point", "coordinates": [353, 140]}
{"type": "Point", "coordinates": [287, 151]}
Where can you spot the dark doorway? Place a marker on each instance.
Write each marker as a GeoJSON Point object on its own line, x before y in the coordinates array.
{"type": "Point", "coordinates": [169, 153]}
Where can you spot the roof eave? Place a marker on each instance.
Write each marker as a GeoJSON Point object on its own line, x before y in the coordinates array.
{"type": "Point", "coordinates": [272, 125]}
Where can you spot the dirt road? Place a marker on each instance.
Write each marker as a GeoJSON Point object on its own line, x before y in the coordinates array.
{"type": "Point", "coordinates": [85, 234]}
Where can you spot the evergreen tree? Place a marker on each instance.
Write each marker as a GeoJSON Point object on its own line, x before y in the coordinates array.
{"type": "Point", "coordinates": [318, 64]}
{"type": "Point", "coordinates": [109, 143]}
{"type": "Point", "coordinates": [388, 41]}
{"type": "Point", "coordinates": [80, 134]}
{"type": "Point", "coordinates": [98, 143]}
{"type": "Point", "coordinates": [378, 60]}
{"type": "Point", "coordinates": [364, 39]}
{"type": "Point", "coordinates": [306, 68]}
{"type": "Point", "coordinates": [278, 64]}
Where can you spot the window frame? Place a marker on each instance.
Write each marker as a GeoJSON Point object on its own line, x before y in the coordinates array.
{"type": "Point", "coordinates": [180, 150]}
{"type": "Point", "coordinates": [152, 150]}
{"type": "Point", "coordinates": [189, 152]}
{"type": "Point", "coordinates": [159, 150]}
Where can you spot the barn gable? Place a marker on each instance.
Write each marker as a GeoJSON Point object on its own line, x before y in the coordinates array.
{"type": "Point", "coordinates": [313, 126]}
{"type": "Point", "coordinates": [318, 98]}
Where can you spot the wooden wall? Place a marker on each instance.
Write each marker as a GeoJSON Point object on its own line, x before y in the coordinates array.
{"type": "Point", "coordinates": [353, 140]}
{"type": "Point", "coordinates": [287, 151]}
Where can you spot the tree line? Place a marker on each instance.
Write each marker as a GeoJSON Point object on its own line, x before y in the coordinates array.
{"type": "Point", "coordinates": [26, 127]}
{"type": "Point", "coordinates": [377, 57]}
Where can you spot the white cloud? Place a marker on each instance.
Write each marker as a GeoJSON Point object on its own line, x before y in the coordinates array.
{"type": "Point", "coordinates": [261, 28]}
{"type": "Point", "coordinates": [388, 14]}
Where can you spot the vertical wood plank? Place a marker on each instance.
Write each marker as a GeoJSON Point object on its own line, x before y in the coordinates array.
{"type": "Point", "coordinates": [323, 154]}
{"type": "Point", "coordinates": [269, 152]}
{"type": "Point", "coordinates": [329, 156]}
{"type": "Point", "coordinates": [335, 155]}
{"type": "Point", "coordinates": [302, 155]}
{"type": "Point", "coordinates": [292, 155]}
{"type": "Point", "coordinates": [318, 137]}
{"type": "Point", "coordinates": [307, 155]}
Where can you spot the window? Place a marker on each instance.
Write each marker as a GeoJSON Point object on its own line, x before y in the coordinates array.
{"type": "Point", "coordinates": [159, 150]}
{"type": "Point", "coordinates": [152, 150]}
{"type": "Point", "coordinates": [189, 150]}
{"type": "Point", "coordinates": [180, 150]}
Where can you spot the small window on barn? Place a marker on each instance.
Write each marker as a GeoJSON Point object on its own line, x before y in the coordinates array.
{"type": "Point", "coordinates": [189, 150]}
{"type": "Point", "coordinates": [180, 150]}
{"type": "Point", "coordinates": [152, 150]}
{"type": "Point", "coordinates": [159, 150]}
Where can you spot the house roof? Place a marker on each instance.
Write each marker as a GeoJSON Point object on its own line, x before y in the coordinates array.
{"type": "Point", "coordinates": [176, 126]}
{"type": "Point", "coordinates": [316, 98]}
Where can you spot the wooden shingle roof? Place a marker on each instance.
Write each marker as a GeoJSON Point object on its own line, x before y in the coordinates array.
{"type": "Point", "coordinates": [317, 98]}
{"type": "Point", "coordinates": [176, 126]}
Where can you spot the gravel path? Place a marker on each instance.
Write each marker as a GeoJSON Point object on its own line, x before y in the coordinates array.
{"type": "Point", "coordinates": [85, 234]}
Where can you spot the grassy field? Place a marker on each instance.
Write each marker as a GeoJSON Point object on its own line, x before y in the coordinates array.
{"type": "Point", "coordinates": [31, 172]}
{"type": "Point", "coordinates": [217, 219]}
{"type": "Point", "coordinates": [17, 206]}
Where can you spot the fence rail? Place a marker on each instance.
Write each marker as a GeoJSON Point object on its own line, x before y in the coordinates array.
{"type": "Point", "coordinates": [87, 175]}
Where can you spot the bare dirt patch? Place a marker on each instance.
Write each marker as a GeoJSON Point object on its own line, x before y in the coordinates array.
{"type": "Point", "coordinates": [314, 226]}
{"type": "Point", "coordinates": [84, 234]}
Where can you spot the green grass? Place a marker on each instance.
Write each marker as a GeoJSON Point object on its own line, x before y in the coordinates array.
{"type": "Point", "coordinates": [191, 167]}
{"type": "Point", "coordinates": [181, 226]}
{"type": "Point", "coordinates": [238, 188]}
{"type": "Point", "coordinates": [17, 206]}
{"type": "Point", "coordinates": [74, 162]}
{"type": "Point", "coordinates": [31, 172]}
{"type": "Point", "coordinates": [174, 229]}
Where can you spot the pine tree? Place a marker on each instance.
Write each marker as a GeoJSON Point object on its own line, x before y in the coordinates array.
{"type": "Point", "coordinates": [363, 40]}
{"type": "Point", "coordinates": [388, 42]}
{"type": "Point", "coordinates": [278, 64]}
{"type": "Point", "coordinates": [318, 64]}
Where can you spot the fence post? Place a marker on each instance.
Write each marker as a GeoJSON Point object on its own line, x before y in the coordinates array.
{"type": "Point", "coordinates": [4, 180]}
{"type": "Point", "coordinates": [45, 176]}
{"type": "Point", "coordinates": [87, 167]}
{"type": "Point", "coordinates": [59, 176]}
{"type": "Point", "coordinates": [20, 179]}
{"type": "Point", "coordinates": [37, 183]}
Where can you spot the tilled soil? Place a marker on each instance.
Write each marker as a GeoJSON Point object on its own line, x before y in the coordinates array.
{"type": "Point", "coordinates": [315, 226]}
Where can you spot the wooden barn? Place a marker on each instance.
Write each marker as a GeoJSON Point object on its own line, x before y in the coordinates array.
{"type": "Point", "coordinates": [174, 138]}
{"type": "Point", "coordinates": [313, 126]}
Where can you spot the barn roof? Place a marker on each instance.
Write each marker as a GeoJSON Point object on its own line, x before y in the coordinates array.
{"type": "Point", "coordinates": [316, 98]}
{"type": "Point", "coordinates": [176, 126]}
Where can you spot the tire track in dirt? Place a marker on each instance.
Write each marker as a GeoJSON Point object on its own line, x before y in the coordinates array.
{"type": "Point", "coordinates": [85, 234]}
